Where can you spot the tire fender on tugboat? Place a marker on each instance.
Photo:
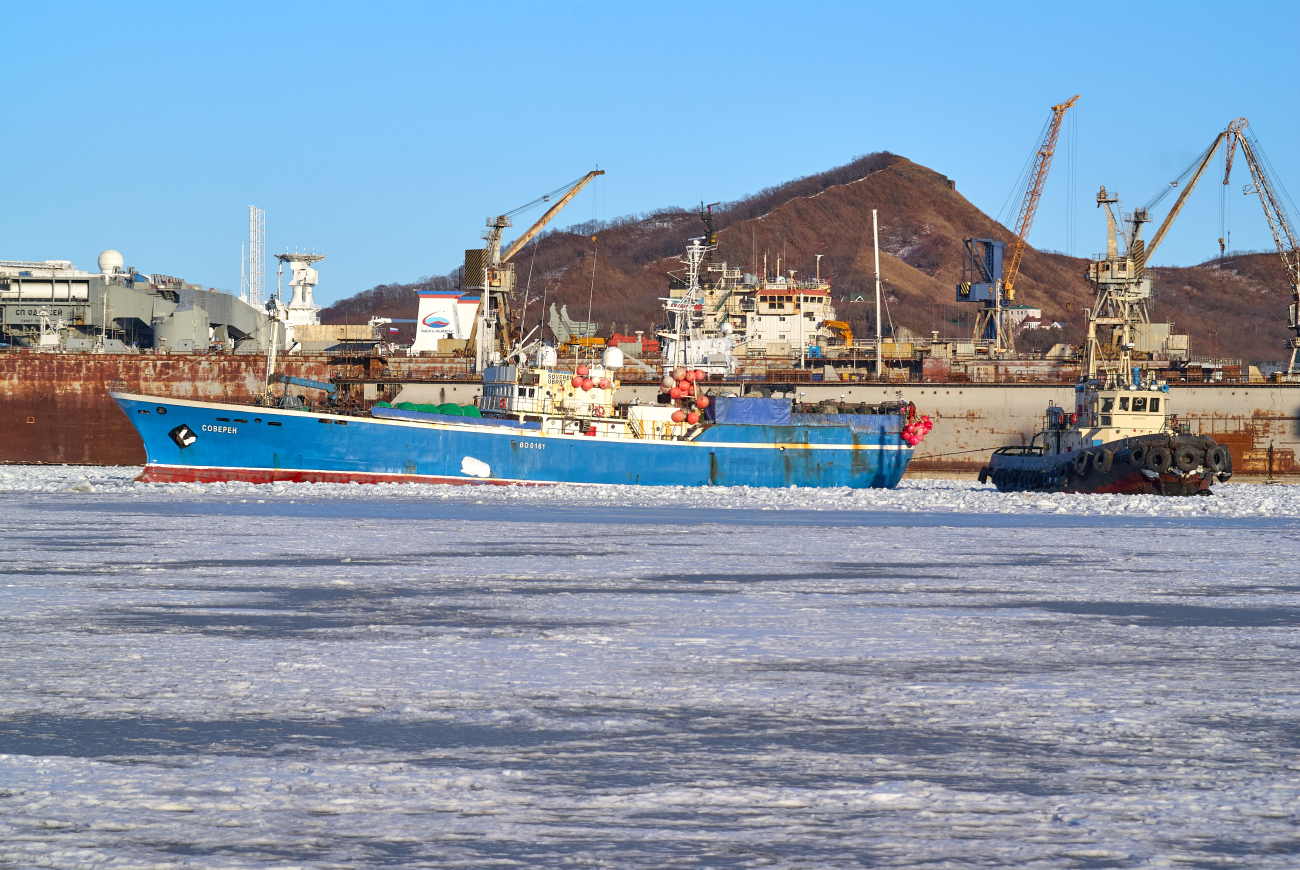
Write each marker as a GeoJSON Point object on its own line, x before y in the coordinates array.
{"type": "Point", "coordinates": [1187, 458]}
{"type": "Point", "coordinates": [1082, 463]}
{"type": "Point", "coordinates": [1103, 460]}
{"type": "Point", "coordinates": [1158, 459]}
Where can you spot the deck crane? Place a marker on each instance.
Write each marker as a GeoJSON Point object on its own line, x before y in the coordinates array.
{"type": "Point", "coordinates": [1279, 223]}
{"type": "Point", "coordinates": [489, 270]}
{"type": "Point", "coordinates": [983, 279]}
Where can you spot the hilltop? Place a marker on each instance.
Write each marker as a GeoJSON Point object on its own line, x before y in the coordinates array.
{"type": "Point", "coordinates": [1235, 306]}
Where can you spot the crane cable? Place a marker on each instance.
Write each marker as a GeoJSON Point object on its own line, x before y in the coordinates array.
{"type": "Point", "coordinates": [523, 315]}
{"type": "Point", "coordinates": [546, 197]}
{"type": "Point", "coordinates": [1273, 177]}
{"type": "Point", "coordinates": [1178, 180]}
{"type": "Point", "coordinates": [1022, 182]}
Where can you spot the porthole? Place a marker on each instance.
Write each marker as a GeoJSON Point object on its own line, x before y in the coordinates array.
{"type": "Point", "coordinates": [161, 410]}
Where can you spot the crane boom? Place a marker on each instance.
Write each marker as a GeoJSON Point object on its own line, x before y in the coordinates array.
{"type": "Point", "coordinates": [1159, 234]}
{"type": "Point", "coordinates": [1033, 193]}
{"type": "Point", "coordinates": [550, 213]}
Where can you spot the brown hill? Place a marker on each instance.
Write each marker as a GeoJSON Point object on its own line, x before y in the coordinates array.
{"type": "Point", "coordinates": [1235, 307]}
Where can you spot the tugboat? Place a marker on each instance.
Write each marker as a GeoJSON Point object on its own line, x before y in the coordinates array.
{"type": "Point", "coordinates": [1122, 436]}
{"type": "Point", "coordinates": [1119, 438]}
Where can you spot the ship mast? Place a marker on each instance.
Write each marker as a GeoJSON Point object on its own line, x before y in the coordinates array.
{"type": "Point", "coordinates": [683, 307]}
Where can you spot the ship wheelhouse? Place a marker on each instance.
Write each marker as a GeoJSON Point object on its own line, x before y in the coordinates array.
{"type": "Point", "coordinates": [1107, 411]}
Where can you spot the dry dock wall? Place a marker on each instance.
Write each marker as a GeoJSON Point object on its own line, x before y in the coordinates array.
{"type": "Point", "coordinates": [56, 407]}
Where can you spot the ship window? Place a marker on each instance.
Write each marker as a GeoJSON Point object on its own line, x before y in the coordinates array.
{"type": "Point", "coordinates": [771, 306]}
{"type": "Point", "coordinates": [326, 422]}
{"type": "Point", "coordinates": [1155, 406]}
{"type": "Point", "coordinates": [273, 423]}
{"type": "Point", "coordinates": [142, 411]}
{"type": "Point", "coordinates": [1107, 405]}
{"type": "Point", "coordinates": [1105, 419]}
{"type": "Point", "coordinates": [1140, 404]}
{"type": "Point", "coordinates": [340, 422]}
{"type": "Point", "coordinates": [240, 420]}
{"type": "Point", "coordinates": [223, 419]}
{"type": "Point", "coordinates": [1123, 403]}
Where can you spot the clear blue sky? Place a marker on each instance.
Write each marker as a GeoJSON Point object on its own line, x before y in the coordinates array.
{"type": "Point", "coordinates": [383, 134]}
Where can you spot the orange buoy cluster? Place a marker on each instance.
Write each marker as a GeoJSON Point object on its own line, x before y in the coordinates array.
{"type": "Point", "coordinates": [681, 385]}
{"type": "Point", "coordinates": [582, 380]}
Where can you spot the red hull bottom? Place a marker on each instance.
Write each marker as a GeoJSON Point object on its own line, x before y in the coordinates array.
{"type": "Point", "coordinates": [186, 474]}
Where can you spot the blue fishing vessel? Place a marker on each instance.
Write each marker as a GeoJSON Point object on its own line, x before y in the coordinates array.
{"type": "Point", "coordinates": [540, 425]}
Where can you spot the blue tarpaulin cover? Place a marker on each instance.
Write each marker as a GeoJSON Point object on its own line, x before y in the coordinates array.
{"type": "Point", "coordinates": [857, 422]}
{"type": "Point", "coordinates": [751, 412]}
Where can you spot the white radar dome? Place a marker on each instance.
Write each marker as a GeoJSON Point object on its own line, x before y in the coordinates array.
{"type": "Point", "coordinates": [727, 328]}
{"type": "Point", "coordinates": [613, 358]}
{"type": "Point", "coordinates": [110, 261]}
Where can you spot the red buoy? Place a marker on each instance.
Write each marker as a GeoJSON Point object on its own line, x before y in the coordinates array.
{"type": "Point", "coordinates": [700, 375]}
{"type": "Point", "coordinates": [675, 393]}
{"type": "Point", "coordinates": [577, 382]}
{"type": "Point", "coordinates": [582, 370]}
{"type": "Point", "coordinates": [692, 418]}
{"type": "Point", "coordinates": [604, 383]}
{"type": "Point", "coordinates": [702, 402]}
{"type": "Point", "coordinates": [586, 383]}
{"type": "Point", "coordinates": [679, 415]}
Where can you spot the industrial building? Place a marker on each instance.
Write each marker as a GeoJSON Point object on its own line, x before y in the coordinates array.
{"type": "Point", "coordinates": [56, 306]}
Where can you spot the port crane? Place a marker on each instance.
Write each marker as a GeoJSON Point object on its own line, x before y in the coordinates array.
{"type": "Point", "coordinates": [1120, 284]}
{"type": "Point", "coordinates": [983, 277]}
{"type": "Point", "coordinates": [1279, 223]}
{"type": "Point", "coordinates": [490, 271]}
{"type": "Point", "coordinates": [1235, 135]}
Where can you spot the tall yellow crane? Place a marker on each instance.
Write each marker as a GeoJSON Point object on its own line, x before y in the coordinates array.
{"type": "Point", "coordinates": [984, 279]}
{"type": "Point", "coordinates": [1279, 222]}
{"type": "Point", "coordinates": [1033, 193]}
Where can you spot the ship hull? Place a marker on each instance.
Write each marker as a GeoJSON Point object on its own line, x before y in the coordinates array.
{"type": "Point", "coordinates": [1122, 467]}
{"type": "Point", "coordinates": [262, 445]}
